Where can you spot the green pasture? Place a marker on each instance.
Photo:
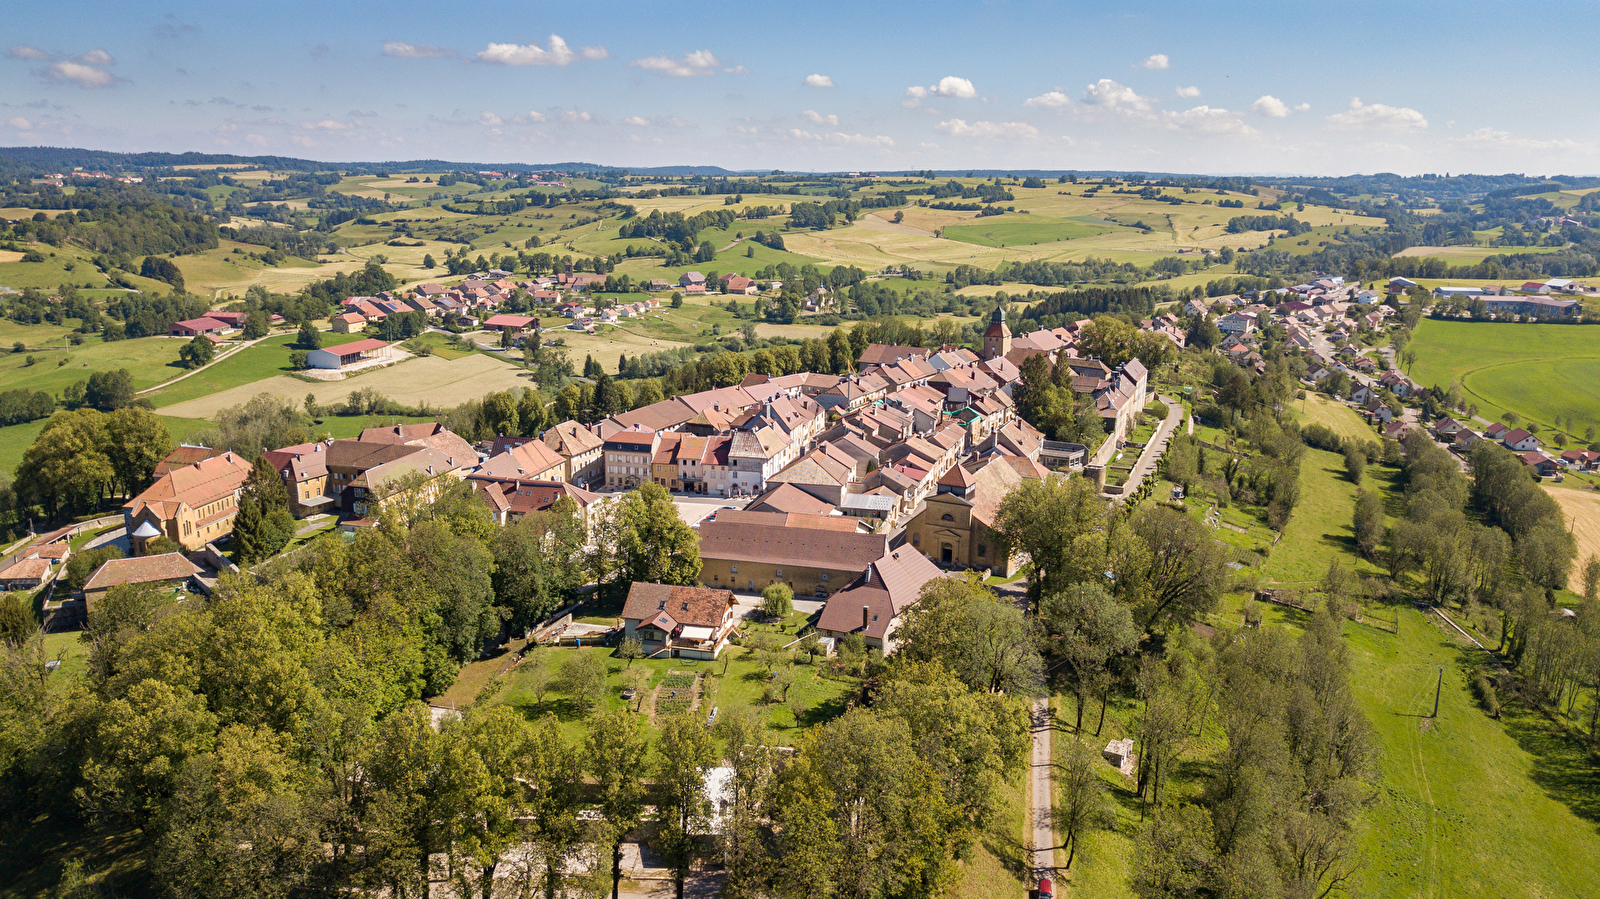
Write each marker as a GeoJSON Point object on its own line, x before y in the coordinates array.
{"type": "Point", "coordinates": [1468, 806]}
{"type": "Point", "coordinates": [1537, 371]}
{"type": "Point", "coordinates": [263, 360]}
{"type": "Point", "coordinates": [1016, 230]}
{"type": "Point", "coordinates": [65, 265]}
{"type": "Point", "coordinates": [150, 360]}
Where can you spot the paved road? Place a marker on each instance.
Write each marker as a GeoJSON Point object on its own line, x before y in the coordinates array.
{"type": "Point", "coordinates": [1151, 455]}
{"type": "Point", "coordinates": [1041, 811]}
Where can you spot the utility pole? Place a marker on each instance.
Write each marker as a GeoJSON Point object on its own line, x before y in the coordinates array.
{"type": "Point", "coordinates": [1437, 687]}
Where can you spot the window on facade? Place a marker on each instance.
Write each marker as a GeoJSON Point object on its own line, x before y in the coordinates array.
{"type": "Point", "coordinates": [824, 578]}
{"type": "Point", "coordinates": [947, 517]}
{"type": "Point", "coordinates": [916, 539]}
{"type": "Point", "coordinates": [778, 573]}
{"type": "Point", "coordinates": [734, 569]}
{"type": "Point", "coordinates": [983, 550]}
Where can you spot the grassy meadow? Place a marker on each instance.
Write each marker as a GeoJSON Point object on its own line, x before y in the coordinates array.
{"type": "Point", "coordinates": [1537, 371]}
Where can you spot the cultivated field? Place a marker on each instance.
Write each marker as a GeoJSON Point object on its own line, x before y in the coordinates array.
{"type": "Point", "coordinates": [1582, 508]}
{"type": "Point", "coordinates": [1537, 371]}
{"type": "Point", "coordinates": [428, 379]}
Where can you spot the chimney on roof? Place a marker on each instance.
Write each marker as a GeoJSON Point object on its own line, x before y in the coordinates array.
{"type": "Point", "coordinates": [865, 612]}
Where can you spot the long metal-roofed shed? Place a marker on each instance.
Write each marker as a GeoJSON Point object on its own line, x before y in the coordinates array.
{"type": "Point", "coordinates": [336, 357]}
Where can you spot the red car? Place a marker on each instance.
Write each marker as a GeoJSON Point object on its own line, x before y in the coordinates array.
{"type": "Point", "coordinates": [1046, 890]}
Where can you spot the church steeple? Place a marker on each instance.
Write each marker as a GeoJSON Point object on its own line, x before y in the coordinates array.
{"type": "Point", "coordinates": [997, 338]}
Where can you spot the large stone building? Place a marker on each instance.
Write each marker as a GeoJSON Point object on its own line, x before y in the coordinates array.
{"type": "Point", "coordinates": [581, 450]}
{"type": "Point", "coordinates": [814, 559]}
{"type": "Point", "coordinates": [194, 504]}
{"type": "Point", "coordinates": [956, 527]}
{"type": "Point", "coordinates": [346, 476]}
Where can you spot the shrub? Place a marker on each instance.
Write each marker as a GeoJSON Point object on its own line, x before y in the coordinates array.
{"type": "Point", "coordinates": [1483, 690]}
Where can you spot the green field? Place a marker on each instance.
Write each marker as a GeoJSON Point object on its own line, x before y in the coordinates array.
{"type": "Point", "coordinates": [265, 359]}
{"type": "Point", "coordinates": [1537, 371]}
{"type": "Point", "coordinates": [1468, 806]}
{"type": "Point", "coordinates": [151, 360]}
{"type": "Point", "coordinates": [1341, 419]}
{"type": "Point", "coordinates": [1020, 230]}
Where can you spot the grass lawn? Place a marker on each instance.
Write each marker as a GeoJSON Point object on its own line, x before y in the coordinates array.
{"type": "Point", "coordinates": [740, 686]}
{"type": "Point", "coordinates": [1320, 529]}
{"type": "Point", "coordinates": [72, 652]}
{"type": "Point", "coordinates": [1000, 859]}
{"type": "Point", "coordinates": [1468, 806]}
{"type": "Point", "coordinates": [437, 344]}
{"type": "Point", "coordinates": [265, 359]}
{"type": "Point", "coordinates": [1336, 416]}
{"type": "Point", "coordinates": [1537, 371]}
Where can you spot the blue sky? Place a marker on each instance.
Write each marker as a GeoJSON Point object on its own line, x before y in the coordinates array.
{"type": "Point", "coordinates": [1226, 87]}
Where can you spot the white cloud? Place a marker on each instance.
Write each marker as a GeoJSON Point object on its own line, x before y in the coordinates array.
{"type": "Point", "coordinates": [1206, 120]}
{"type": "Point", "coordinates": [1188, 92]}
{"type": "Point", "coordinates": [326, 125]}
{"type": "Point", "coordinates": [636, 121]}
{"type": "Point", "coordinates": [1489, 138]}
{"type": "Point", "coordinates": [97, 58]}
{"type": "Point", "coordinates": [951, 86]}
{"type": "Point", "coordinates": [1112, 95]}
{"type": "Point", "coordinates": [960, 128]}
{"type": "Point", "coordinates": [21, 124]}
{"type": "Point", "coordinates": [861, 140]}
{"type": "Point", "coordinates": [1049, 100]}
{"type": "Point", "coordinates": [415, 51]}
{"type": "Point", "coordinates": [836, 137]}
{"type": "Point", "coordinates": [1156, 61]}
{"type": "Point", "coordinates": [559, 54]}
{"type": "Point", "coordinates": [817, 118]}
{"type": "Point", "coordinates": [700, 62]}
{"type": "Point", "coordinates": [818, 81]}
{"type": "Point", "coordinates": [1271, 107]}
{"type": "Point", "coordinates": [1378, 117]}
{"type": "Point", "coordinates": [532, 116]}
{"type": "Point", "coordinates": [490, 119]}
{"type": "Point", "coordinates": [23, 51]}
{"type": "Point", "coordinates": [574, 116]}
{"type": "Point", "coordinates": [948, 86]}
{"type": "Point", "coordinates": [77, 73]}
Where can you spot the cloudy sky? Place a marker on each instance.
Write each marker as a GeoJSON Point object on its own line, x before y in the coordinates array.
{"type": "Point", "coordinates": [1227, 87]}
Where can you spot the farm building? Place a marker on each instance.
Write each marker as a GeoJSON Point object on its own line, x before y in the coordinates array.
{"type": "Point", "coordinates": [514, 324]}
{"type": "Point", "coordinates": [197, 326]}
{"type": "Point", "coordinates": [336, 357]}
